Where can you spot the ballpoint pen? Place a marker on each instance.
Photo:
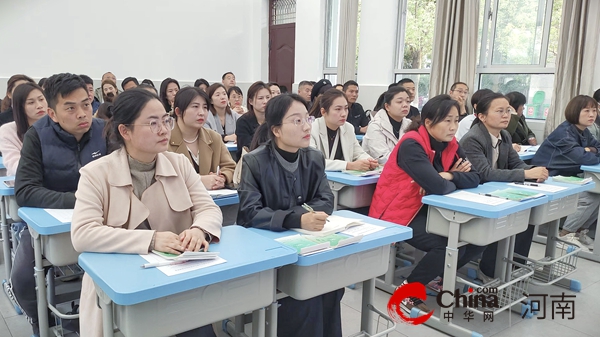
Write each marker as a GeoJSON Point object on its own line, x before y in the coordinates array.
{"type": "Point", "coordinates": [162, 264]}
{"type": "Point", "coordinates": [525, 184]}
{"type": "Point", "coordinates": [218, 170]}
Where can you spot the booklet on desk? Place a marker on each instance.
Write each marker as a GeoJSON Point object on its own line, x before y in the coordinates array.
{"type": "Point", "coordinates": [333, 225]}
{"type": "Point", "coordinates": [224, 192]}
{"type": "Point", "coordinates": [309, 244]}
{"type": "Point", "coordinates": [364, 173]}
{"type": "Point", "coordinates": [515, 194]}
{"type": "Point", "coordinates": [188, 256]}
{"type": "Point", "coordinates": [571, 180]}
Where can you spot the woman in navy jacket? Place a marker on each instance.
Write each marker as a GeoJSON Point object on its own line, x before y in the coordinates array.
{"type": "Point", "coordinates": [568, 147]}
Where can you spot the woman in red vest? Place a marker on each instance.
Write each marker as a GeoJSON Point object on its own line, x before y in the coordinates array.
{"type": "Point", "coordinates": [426, 160]}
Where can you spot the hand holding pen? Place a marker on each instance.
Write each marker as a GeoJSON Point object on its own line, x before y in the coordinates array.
{"type": "Point", "coordinates": [312, 221]}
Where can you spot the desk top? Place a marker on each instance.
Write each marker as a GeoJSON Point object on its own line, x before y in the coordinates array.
{"type": "Point", "coordinates": [42, 222]}
{"type": "Point", "coordinates": [526, 155]}
{"type": "Point", "coordinates": [121, 277]}
{"type": "Point", "coordinates": [4, 190]}
{"type": "Point", "coordinates": [231, 146]}
{"type": "Point", "coordinates": [392, 233]}
{"type": "Point", "coordinates": [571, 188]}
{"type": "Point", "coordinates": [482, 210]}
{"type": "Point", "coordinates": [350, 180]}
{"type": "Point", "coordinates": [226, 201]}
{"type": "Point", "coordinates": [591, 168]}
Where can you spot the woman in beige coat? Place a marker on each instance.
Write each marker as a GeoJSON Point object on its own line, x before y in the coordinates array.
{"type": "Point", "coordinates": [203, 147]}
{"type": "Point", "coordinates": [140, 198]}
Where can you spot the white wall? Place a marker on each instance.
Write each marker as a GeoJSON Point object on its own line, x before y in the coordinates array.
{"type": "Point", "coordinates": [310, 41]}
{"type": "Point", "coordinates": [183, 39]}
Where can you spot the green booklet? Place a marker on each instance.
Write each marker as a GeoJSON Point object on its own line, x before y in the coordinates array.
{"type": "Point", "coordinates": [309, 244]}
{"type": "Point", "coordinates": [515, 194]}
{"type": "Point", "coordinates": [571, 180]}
{"type": "Point", "coordinates": [357, 173]}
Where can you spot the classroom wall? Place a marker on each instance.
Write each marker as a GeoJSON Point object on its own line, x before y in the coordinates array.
{"type": "Point", "coordinates": [183, 39]}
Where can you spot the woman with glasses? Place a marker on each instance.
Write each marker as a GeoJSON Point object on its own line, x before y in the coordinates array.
{"type": "Point", "coordinates": [140, 198]}
{"type": "Point", "coordinates": [203, 147]}
{"type": "Point", "coordinates": [488, 147]}
{"type": "Point", "coordinates": [278, 178]}
{"type": "Point", "coordinates": [334, 136]}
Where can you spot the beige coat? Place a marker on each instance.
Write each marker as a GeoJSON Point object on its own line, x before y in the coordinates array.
{"type": "Point", "coordinates": [212, 152]}
{"type": "Point", "coordinates": [380, 140]}
{"type": "Point", "coordinates": [350, 146]}
{"type": "Point", "coordinates": [107, 212]}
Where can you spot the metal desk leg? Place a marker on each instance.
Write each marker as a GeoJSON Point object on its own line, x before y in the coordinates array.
{"type": "Point", "coordinates": [271, 320]}
{"type": "Point", "coordinates": [258, 323]}
{"type": "Point", "coordinates": [5, 237]}
{"type": "Point", "coordinates": [106, 305]}
{"type": "Point", "coordinates": [368, 293]}
{"type": "Point", "coordinates": [40, 280]}
{"type": "Point", "coordinates": [595, 255]}
{"type": "Point", "coordinates": [387, 284]}
{"type": "Point", "coordinates": [540, 238]}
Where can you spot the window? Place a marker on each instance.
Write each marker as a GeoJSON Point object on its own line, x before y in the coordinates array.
{"type": "Point", "coordinates": [332, 36]}
{"type": "Point", "coordinates": [518, 46]}
{"type": "Point", "coordinates": [416, 26]}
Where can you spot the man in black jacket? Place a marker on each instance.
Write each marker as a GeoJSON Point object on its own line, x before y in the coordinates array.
{"type": "Point", "coordinates": [54, 149]}
{"type": "Point", "coordinates": [356, 113]}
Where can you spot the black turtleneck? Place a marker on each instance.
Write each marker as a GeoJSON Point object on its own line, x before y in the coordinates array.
{"type": "Point", "coordinates": [395, 126]}
{"type": "Point", "coordinates": [339, 154]}
{"type": "Point", "coordinates": [288, 156]}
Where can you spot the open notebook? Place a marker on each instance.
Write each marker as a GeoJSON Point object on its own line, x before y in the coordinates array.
{"type": "Point", "coordinates": [188, 256]}
{"type": "Point", "coordinates": [333, 225]}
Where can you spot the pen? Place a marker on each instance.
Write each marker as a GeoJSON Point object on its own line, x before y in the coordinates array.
{"type": "Point", "coordinates": [525, 184]}
{"type": "Point", "coordinates": [310, 209]}
{"type": "Point", "coordinates": [162, 264]}
{"type": "Point", "coordinates": [218, 170]}
{"type": "Point", "coordinates": [493, 196]}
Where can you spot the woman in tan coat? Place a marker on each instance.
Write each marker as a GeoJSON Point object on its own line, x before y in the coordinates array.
{"type": "Point", "coordinates": [140, 198]}
{"type": "Point", "coordinates": [203, 147]}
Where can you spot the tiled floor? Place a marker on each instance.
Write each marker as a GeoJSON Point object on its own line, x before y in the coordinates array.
{"type": "Point", "coordinates": [587, 307]}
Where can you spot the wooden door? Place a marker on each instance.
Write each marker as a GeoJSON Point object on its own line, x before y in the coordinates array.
{"type": "Point", "coordinates": [282, 41]}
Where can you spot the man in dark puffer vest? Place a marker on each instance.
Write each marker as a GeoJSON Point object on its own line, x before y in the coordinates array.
{"type": "Point", "coordinates": [54, 149]}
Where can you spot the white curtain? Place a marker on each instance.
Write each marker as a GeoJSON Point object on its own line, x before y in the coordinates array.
{"type": "Point", "coordinates": [454, 45]}
{"type": "Point", "coordinates": [576, 59]}
{"type": "Point", "coordinates": [346, 69]}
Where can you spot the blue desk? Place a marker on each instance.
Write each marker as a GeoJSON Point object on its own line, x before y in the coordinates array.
{"type": "Point", "coordinates": [469, 222]}
{"type": "Point", "coordinates": [526, 156]}
{"type": "Point", "coordinates": [321, 273]}
{"type": "Point", "coordinates": [52, 240]}
{"type": "Point", "coordinates": [145, 302]}
{"type": "Point", "coordinates": [593, 171]}
{"type": "Point", "coordinates": [231, 146]}
{"type": "Point", "coordinates": [351, 191]}
{"type": "Point", "coordinates": [7, 202]}
{"type": "Point", "coordinates": [226, 201]}
{"type": "Point", "coordinates": [553, 269]}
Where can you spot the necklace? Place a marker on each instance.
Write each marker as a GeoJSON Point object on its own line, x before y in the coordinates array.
{"type": "Point", "coordinates": [191, 141]}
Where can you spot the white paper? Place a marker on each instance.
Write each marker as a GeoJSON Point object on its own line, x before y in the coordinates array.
{"type": "Point", "coordinates": [182, 267]}
{"type": "Point", "coordinates": [528, 149]}
{"type": "Point", "coordinates": [541, 187]}
{"type": "Point", "coordinates": [222, 193]}
{"type": "Point", "coordinates": [62, 215]}
{"type": "Point", "coordinates": [364, 229]}
{"type": "Point", "coordinates": [480, 199]}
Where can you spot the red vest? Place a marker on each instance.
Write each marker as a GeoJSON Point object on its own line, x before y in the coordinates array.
{"type": "Point", "coordinates": [396, 198]}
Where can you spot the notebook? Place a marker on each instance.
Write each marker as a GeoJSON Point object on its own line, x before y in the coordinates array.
{"type": "Point", "coordinates": [310, 244]}
{"type": "Point", "coordinates": [224, 192]}
{"type": "Point", "coordinates": [333, 225]}
{"type": "Point", "coordinates": [572, 180]}
{"type": "Point", "coordinates": [188, 255]}
{"type": "Point", "coordinates": [515, 194]}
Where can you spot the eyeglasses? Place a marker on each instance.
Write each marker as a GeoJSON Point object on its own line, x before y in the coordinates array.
{"type": "Point", "coordinates": [503, 112]}
{"type": "Point", "coordinates": [462, 92]}
{"type": "Point", "coordinates": [156, 126]}
{"type": "Point", "coordinates": [301, 121]}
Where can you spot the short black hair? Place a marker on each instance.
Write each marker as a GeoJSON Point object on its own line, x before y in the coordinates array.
{"type": "Point", "coordinates": [597, 95]}
{"type": "Point", "coordinates": [457, 83]}
{"type": "Point", "coordinates": [87, 79]}
{"type": "Point", "coordinates": [61, 85]}
{"type": "Point", "coordinates": [305, 83]}
{"type": "Point", "coordinates": [404, 81]}
{"type": "Point", "coordinates": [576, 105]}
{"type": "Point", "coordinates": [349, 83]}
{"type": "Point", "coordinates": [43, 80]}
{"type": "Point", "coordinates": [147, 86]}
{"type": "Point", "coordinates": [227, 73]}
{"type": "Point", "coordinates": [516, 99]}
{"type": "Point", "coordinates": [129, 79]}
{"type": "Point", "coordinates": [148, 82]}
{"type": "Point", "coordinates": [478, 95]}
{"type": "Point", "coordinates": [201, 81]}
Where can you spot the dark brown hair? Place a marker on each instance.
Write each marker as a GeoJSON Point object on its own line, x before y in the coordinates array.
{"type": "Point", "coordinates": [6, 102]}
{"type": "Point", "coordinates": [19, 101]}
{"type": "Point", "coordinates": [578, 103]}
{"type": "Point", "coordinates": [436, 110]}
{"type": "Point", "coordinates": [104, 97]}
{"type": "Point", "coordinates": [252, 92]}
{"type": "Point", "coordinates": [211, 91]}
{"type": "Point", "coordinates": [325, 101]}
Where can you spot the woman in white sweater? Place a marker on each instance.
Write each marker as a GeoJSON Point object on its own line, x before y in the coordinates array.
{"type": "Point", "coordinates": [335, 137]}
{"type": "Point", "coordinates": [388, 125]}
{"type": "Point", "coordinates": [29, 105]}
